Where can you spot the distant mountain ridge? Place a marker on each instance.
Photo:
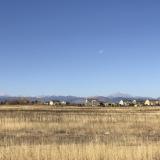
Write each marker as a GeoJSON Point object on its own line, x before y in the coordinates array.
{"type": "Point", "coordinates": [79, 100]}
{"type": "Point", "coordinates": [119, 94]}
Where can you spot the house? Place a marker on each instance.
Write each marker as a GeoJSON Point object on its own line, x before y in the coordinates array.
{"type": "Point", "coordinates": [63, 103]}
{"type": "Point", "coordinates": [147, 102]}
{"type": "Point", "coordinates": [154, 102]}
{"type": "Point", "coordinates": [157, 103]}
{"type": "Point", "coordinates": [51, 103]}
{"type": "Point", "coordinates": [54, 103]}
{"type": "Point", "coordinates": [121, 103]}
{"type": "Point", "coordinates": [106, 104]}
{"type": "Point", "coordinates": [92, 102]}
{"type": "Point", "coordinates": [134, 102]}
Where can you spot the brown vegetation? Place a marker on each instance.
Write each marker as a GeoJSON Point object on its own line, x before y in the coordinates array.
{"type": "Point", "coordinates": [45, 133]}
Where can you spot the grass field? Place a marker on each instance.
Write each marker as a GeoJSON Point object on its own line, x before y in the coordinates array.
{"type": "Point", "coordinates": [74, 133]}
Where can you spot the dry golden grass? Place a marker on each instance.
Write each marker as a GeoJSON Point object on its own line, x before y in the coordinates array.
{"type": "Point", "coordinates": [80, 152]}
{"type": "Point", "coordinates": [72, 133]}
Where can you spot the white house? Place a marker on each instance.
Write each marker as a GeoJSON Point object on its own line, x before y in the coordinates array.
{"type": "Point", "coordinates": [63, 102]}
{"type": "Point", "coordinates": [54, 103]}
{"type": "Point", "coordinates": [147, 103]}
{"type": "Point", "coordinates": [134, 102]}
{"type": "Point", "coordinates": [51, 103]}
{"type": "Point", "coordinates": [92, 102]}
{"type": "Point", "coordinates": [121, 103]}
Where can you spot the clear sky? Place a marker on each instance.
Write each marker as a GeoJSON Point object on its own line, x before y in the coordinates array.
{"type": "Point", "coordinates": [80, 47]}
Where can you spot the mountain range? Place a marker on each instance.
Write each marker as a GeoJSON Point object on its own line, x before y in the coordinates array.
{"type": "Point", "coordinates": [73, 99]}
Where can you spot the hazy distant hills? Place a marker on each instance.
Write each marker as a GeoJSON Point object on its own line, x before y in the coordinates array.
{"type": "Point", "coordinates": [119, 94]}
{"type": "Point", "coordinates": [78, 100]}
{"type": "Point", "coordinates": [71, 99]}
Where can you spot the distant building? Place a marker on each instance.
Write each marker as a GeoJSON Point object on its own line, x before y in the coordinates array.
{"type": "Point", "coordinates": [134, 102]}
{"type": "Point", "coordinates": [92, 102]}
{"type": "Point", "coordinates": [51, 103]}
{"type": "Point", "coordinates": [63, 103]}
{"type": "Point", "coordinates": [154, 102]}
{"type": "Point", "coordinates": [121, 103]}
{"type": "Point", "coordinates": [56, 103]}
{"type": "Point", "coordinates": [107, 104]}
{"type": "Point", "coordinates": [147, 103]}
{"type": "Point", "coordinates": [158, 102]}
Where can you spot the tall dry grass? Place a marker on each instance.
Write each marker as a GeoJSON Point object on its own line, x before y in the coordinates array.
{"type": "Point", "coordinates": [79, 133]}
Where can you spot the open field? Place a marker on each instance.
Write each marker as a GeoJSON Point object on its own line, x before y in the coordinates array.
{"type": "Point", "coordinates": [74, 133]}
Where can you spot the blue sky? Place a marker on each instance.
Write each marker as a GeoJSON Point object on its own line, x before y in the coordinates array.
{"type": "Point", "coordinates": [79, 47]}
